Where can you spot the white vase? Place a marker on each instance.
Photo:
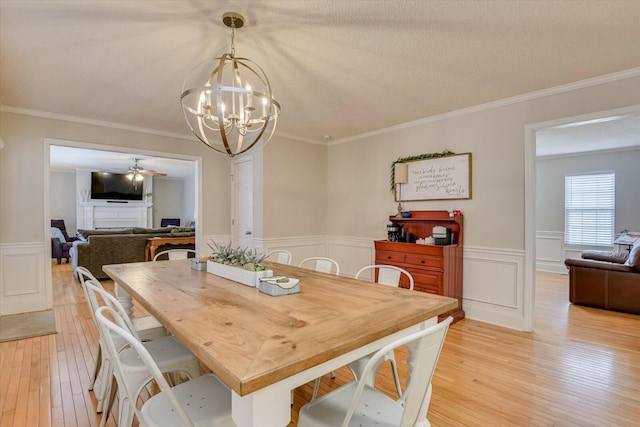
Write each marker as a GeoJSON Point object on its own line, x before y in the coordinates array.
{"type": "Point", "coordinates": [240, 275]}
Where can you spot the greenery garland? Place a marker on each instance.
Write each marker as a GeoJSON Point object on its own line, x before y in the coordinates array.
{"type": "Point", "coordinates": [392, 180]}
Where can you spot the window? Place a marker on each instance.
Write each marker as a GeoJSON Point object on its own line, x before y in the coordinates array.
{"type": "Point", "coordinates": [589, 209]}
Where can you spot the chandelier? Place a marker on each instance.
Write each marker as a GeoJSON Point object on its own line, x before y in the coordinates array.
{"type": "Point", "coordinates": [228, 100]}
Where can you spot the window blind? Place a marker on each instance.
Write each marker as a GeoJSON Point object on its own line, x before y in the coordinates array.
{"type": "Point", "coordinates": [589, 209]}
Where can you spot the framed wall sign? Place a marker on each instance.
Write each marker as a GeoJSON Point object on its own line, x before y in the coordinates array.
{"type": "Point", "coordinates": [440, 178]}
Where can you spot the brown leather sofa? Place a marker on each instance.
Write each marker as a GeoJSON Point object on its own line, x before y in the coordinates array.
{"type": "Point", "coordinates": [608, 280]}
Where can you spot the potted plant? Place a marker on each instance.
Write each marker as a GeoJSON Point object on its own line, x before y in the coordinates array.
{"type": "Point", "coordinates": [237, 264]}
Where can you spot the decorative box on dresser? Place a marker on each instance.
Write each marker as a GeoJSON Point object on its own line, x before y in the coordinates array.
{"type": "Point", "coordinates": [435, 269]}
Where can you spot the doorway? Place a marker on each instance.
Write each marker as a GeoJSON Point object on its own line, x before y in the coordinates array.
{"type": "Point", "coordinates": [194, 197]}
{"type": "Point", "coordinates": [531, 165]}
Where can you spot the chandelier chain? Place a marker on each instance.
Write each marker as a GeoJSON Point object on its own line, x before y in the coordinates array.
{"type": "Point", "coordinates": [233, 35]}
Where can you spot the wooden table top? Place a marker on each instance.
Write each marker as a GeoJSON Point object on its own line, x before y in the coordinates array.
{"type": "Point", "coordinates": [250, 339]}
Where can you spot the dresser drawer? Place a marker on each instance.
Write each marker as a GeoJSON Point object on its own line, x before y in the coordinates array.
{"type": "Point", "coordinates": [386, 257]}
{"type": "Point", "coordinates": [425, 261]}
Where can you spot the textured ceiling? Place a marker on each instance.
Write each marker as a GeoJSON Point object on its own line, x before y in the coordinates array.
{"type": "Point", "coordinates": [339, 68]}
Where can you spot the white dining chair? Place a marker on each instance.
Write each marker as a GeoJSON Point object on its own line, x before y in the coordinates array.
{"type": "Point", "coordinates": [204, 400]}
{"type": "Point", "coordinates": [388, 275]}
{"type": "Point", "coordinates": [172, 254]}
{"type": "Point", "coordinates": [281, 256]}
{"type": "Point", "coordinates": [322, 265]}
{"type": "Point", "coordinates": [147, 327]}
{"type": "Point", "coordinates": [167, 352]}
{"type": "Point", "coordinates": [360, 404]}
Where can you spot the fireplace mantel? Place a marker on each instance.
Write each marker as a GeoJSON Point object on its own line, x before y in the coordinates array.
{"type": "Point", "coordinates": [114, 214]}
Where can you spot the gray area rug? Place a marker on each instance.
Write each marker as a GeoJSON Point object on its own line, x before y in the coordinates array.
{"type": "Point", "coordinates": [27, 325]}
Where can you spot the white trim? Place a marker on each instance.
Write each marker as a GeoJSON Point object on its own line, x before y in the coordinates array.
{"type": "Point", "coordinates": [608, 78]}
{"type": "Point", "coordinates": [499, 276]}
{"type": "Point", "coordinates": [502, 304]}
{"type": "Point", "coordinates": [93, 122]}
{"type": "Point", "coordinates": [48, 142]}
{"type": "Point", "coordinates": [121, 149]}
{"type": "Point", "coordinates": [353, 253]}
{"type": "Point", "coordinates": [298, 138]}
{"type": "Point", "coordinates": [546, 261]}
{"type": "Point", "coordinates": [23, 284]}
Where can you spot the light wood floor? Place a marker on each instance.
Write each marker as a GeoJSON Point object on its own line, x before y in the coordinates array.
{"type": "Point", "coordinates": [581, 367]}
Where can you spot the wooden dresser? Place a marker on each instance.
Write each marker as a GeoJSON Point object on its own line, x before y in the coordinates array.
{"type": "Point", "coordinates": [435, 269]}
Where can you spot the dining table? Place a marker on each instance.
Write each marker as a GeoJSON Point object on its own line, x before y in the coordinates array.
{"type": "Point", "coordinates": [264, 346]}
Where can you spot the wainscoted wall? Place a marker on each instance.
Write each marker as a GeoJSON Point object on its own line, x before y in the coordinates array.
{"type": "Point", "coordinates": [551, 251]}
{"type": "Point", "coordinates": [493, 278]}
{"type": "Point", "coordinates": [493, 286]}
{"type": "Point", "coordinates": [301, 247]}
{"type": "Point", "coordinates": [23, 278]}
{"type": "Point", "coordinates": [352, 253]}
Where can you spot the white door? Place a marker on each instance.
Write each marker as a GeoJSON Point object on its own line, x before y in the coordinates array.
{"type": "Point", "coordinates": [242, 205]}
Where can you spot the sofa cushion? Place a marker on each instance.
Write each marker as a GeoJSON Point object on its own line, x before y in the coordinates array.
{"type": "Point", "coordinates": [599, 265]}
{"type": "Point", "coordinates": [142, 230]}
{"type": "Point", "coordinates": [634, 257]}
{"type": "Point", "coordinates": [84, 234]}
{"type": "Point", "coordinates": [617, 257]}
{"type": "Point", "coordinates": [56, 233]}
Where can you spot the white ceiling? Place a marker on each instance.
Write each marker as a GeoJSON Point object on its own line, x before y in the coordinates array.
{"type": "Point", "coordinates": [339, 68]}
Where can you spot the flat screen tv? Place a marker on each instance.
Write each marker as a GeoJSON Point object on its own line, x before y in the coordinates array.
{"type": "Point", "coordinates": [114, 186]}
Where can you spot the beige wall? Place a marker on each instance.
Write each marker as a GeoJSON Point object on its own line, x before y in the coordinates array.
{"type": "Point", "coordinates": [359, 200]}
{"type": "Point", "coordinates": [21, 200]}
{"type": "Point", "coordinates": [62, 201]}
{"type": "Point", "coordinates": [295, 189]}
{"type": "Point", "coordinates": [550, 185]}
{"type": "Point", "coordinates": [168, 198]}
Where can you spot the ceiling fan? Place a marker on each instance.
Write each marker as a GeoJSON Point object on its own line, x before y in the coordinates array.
{"type": "Point", "coordinates": [137, 172]}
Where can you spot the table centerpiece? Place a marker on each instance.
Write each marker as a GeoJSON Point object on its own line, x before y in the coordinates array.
{"type": "Point", "coordinates": [237, 264]}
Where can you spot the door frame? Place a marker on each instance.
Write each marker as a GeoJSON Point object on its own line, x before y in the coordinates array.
{"type": "Point", "coordinates": [530, 201]}
{"type": "Point", "coordinates": [48, 142]}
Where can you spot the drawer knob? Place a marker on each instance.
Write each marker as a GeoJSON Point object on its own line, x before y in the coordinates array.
{"type": "Point", "coordinates": [421, 261]}
{"type": "Point", "coordinates": [388, 257]}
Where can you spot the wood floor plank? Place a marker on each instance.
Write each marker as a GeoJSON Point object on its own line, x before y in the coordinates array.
{"type": "Point", "coordinates": [580, 367]}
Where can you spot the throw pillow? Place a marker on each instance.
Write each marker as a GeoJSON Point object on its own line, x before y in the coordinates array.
{"type": "Point", "coordinates": [634, 257]}
{"type": "Point", "coordinates": [57, 234]}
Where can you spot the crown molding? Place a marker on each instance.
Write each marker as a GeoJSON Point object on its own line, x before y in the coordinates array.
{"type": "Point", "coordinates": [93, 122]}
{"type": "Point", "coordinates": [621, 75]}
{"type": "Point", "coordinates": [595, 81]}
